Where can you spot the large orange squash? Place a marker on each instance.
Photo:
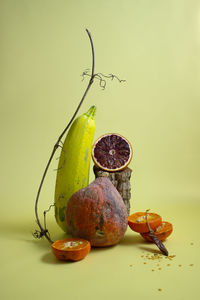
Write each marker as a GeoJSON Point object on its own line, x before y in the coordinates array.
{"type": "Point", "coordinates": [97, 213]}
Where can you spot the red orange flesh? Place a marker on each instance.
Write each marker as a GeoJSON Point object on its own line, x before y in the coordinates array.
{"type": "Point", "coordinates": [73, 249]}
{"type": "Point", "coordinates": [112, 152]}
{"type": "Point", "coordinates": [137, 221]}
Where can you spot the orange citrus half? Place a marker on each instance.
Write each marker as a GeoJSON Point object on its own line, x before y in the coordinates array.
{"type": "Point", "coordinates": [162, 232]}
{"type": "Point", "coordinates": [73, 249]}
{"type": "Point", "coordinates": [137, 221]}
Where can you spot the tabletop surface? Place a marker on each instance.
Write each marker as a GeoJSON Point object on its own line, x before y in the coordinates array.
{"type": "Point", "coordinates": [133, 268]}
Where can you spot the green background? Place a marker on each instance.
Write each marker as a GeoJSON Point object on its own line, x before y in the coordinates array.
{"type": "Point", "coordinates": [153, 45]}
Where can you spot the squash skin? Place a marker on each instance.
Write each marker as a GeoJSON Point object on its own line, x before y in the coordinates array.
{"type": "Point", "coordinates": [74, 163]}
{"type": "Point", "coordinates": [97, 213]}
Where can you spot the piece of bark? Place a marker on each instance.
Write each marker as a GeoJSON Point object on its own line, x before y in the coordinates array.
{"type": "Point", "coordinates": [121, 180]}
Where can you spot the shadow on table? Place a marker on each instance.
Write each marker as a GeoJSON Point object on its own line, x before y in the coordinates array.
{"type": "Point", "coordinates": [132, 239]}
{"type": "Point", "coordinates": [140, 243]}
{"type": "Point", "coordinates": [23, 231]}
{"type": "Point", "coordinates": [49, 258]}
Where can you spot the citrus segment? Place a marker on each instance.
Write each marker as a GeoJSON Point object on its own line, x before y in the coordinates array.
{"type": "Point", "coordinates": [112, 152]}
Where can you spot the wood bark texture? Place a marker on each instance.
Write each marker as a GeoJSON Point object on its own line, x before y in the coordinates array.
{"type": "Point", "coordinates": [121, 180]}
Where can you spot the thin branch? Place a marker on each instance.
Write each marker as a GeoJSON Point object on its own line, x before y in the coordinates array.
{"type": "Point", "coordinates": [112, 76]}
{"type": "Point", "coordinates": [45, 212]}
{"type": "Point", "coordinates": [44, 232]}
{"type": "Point", "coordinates": [155, 239]}
{"type": "Point", "coordinates": [100, 77]}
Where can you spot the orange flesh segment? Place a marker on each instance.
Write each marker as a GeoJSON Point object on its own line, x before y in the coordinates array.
{"type": "Point", "coordinates": [70, 244]}
{"type": "Point", "coordinates": [165, 226]}
{"type": "Point", "coordinates": [161, 227]}
{"type": "Point", "coordinates": [142, 219]}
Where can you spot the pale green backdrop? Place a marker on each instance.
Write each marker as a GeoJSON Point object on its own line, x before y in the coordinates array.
{"type": "Point", "coordinates": [153, 45]}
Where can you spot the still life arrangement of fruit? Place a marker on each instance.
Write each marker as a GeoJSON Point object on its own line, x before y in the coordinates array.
{"type": "Point", "coordinates": [95, 214]}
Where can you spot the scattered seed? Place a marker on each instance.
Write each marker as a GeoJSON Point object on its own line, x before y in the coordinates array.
{"type": "Point", "coordinates": [168, 265]}
{"type": "Point", "coordinates": [159, 268]}
{"type": "Point", "coordinates": [145, 263]}
{"type": "Point", "coordinates": [159, 290]}
{"type": "Point", "coordinates": [191, 243]}
{"type": "Point", "coordinates": [152, 270]}
{"type": "Point", "coordinates": [180, 265]}
{"type": "Point", "coordinates": [170, 257]}
{"type": "Point", "coordinates": [191, 265]}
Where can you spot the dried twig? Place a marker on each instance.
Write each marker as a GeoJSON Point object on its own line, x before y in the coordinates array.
{"type": "Point", "coordinates": [100, 77]}
{"type": "Point", "coordinates": [44, 213]}
{"type": "Point", "coordinates": [44, 232]}
{"type": "Point", "coordinates": [155, 239]}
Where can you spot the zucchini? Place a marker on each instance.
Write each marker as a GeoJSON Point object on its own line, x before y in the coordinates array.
{"type": "Point", "coordinates": [74, 163]}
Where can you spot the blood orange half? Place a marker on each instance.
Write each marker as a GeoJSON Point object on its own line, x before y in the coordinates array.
{"type": "Point", "coordinates": [112, 152]}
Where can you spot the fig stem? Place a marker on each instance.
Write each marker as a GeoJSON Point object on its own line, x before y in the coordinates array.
{"type": "Point", "coordinates": [44, 232]}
